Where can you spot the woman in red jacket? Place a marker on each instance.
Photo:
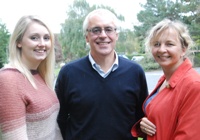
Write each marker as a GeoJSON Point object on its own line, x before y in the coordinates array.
{"type": "Point", "coordinates": [173, 108]}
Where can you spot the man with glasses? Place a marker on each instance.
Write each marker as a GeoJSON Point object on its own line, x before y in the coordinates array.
{"type": "Point", "coordinates": [101, 94]}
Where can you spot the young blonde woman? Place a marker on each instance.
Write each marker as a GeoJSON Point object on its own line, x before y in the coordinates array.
{"type": "Point", "coordinates": [28, 104]}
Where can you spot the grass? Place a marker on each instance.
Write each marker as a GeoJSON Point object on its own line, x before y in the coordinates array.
{"type": "Point", "coordinates": [56, 71]}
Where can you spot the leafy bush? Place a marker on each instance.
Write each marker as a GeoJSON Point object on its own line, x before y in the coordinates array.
{"type": "Point", "coordinates": [148, 63]}
{"type": "Point", "coordinates": [197, 60]}
{"type": "Point", "coordinates": [4, 37]}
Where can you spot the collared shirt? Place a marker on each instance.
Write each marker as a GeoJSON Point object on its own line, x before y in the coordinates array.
{"type": "Point", "coordinates": [99, 69]}
{"type": "Point", "coordinates": [150, 98]}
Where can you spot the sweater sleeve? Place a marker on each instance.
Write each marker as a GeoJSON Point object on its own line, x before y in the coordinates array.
{"type": "Point", "coordinates": [136, 131]}
{"type": "Point", "coordinates": [12, 109]}
{"type": "Point", "coordinates": [60, 88]}
{"type": "Point", "coordinates": [188, 116]}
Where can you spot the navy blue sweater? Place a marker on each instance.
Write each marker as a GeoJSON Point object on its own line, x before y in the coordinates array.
{"type": "Point", "coordinates": [97, 108]}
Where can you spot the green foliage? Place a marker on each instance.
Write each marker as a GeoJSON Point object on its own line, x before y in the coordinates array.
{"type": "Point", "coordinates": [128, 43]}
{"type": "Point", "coordinates": [187, 11]}
{"type": "Point", "coordinates": [148, 63]}
{"type": "Point", "coordinates": [191, 17]}
{"type": "Point", "coordinates": [4, 37]}
{"type": "Point", "coordinates": [71, 36]}
{"type": "Point", "coordinates": [197, 60]}
{"type": "Point", "coordinates": [56, 71]}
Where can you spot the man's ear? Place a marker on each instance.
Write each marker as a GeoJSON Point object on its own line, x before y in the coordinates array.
{"type": "Point", "coordinates": [86, 38]}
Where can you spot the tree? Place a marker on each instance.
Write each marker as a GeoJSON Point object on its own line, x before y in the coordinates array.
{"type": "Point", "coordinates": [4, 37]}
{"type": "Point", "coordinates": [154, 11]}
{"type": "Point", "coordinates": [128, 43]}
{"type": "Point", "coordinates": [71, 35]}
{"type": "Point", "coordinates": [191, 9]}
{"type": "Point", "coordinates": [58, 50]}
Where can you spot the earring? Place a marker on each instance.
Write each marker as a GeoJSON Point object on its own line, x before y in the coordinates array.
{"type": "Point", "coordinates": [19, 45]}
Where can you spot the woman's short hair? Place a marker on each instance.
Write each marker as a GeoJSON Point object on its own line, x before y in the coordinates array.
{"type": "Point", "coordinates": [178, 26]}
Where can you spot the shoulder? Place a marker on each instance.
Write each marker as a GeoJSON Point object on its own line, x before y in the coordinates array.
{"type": "Point", "coordinates": [10, 77]}
{"type": "Point", "coordinates": [10, 80]}
{"type": "Point", "coordinates": [9, 74]}
{"type": "Point", "coordinates": [191, 80]}
{"type": "Point", "coordinates": [79, 63]}
{"type": "Point", "coordinates": [192, 76]}
{"type": "Point", "coordinates": [75, 66]}
{"type": "Point", "coordinates": [126, 63]}
{"type": "Point", "coordinates": [74, 63]}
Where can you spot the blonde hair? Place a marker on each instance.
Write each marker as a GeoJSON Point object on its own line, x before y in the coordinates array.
{"type": "Point", "coordinates": [179, 27]}
{"type": "Point", "coordinates": [46, 67]}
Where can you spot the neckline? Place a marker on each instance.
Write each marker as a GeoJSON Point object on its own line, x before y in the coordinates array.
{"type": "Point", "coordinates": [34, 72]}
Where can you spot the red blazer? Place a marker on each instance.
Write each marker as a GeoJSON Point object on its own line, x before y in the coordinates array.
{"type": "Point", "coordinates": [176, 109]}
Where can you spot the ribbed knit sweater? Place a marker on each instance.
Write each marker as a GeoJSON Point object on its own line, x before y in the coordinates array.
{"type": "Point", "coordinates": [97, 108]}
{"type": "Point", "coordinates": [27, 113]}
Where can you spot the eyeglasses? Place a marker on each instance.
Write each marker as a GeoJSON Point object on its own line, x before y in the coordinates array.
{"type": "Point", "coordinates": [98, 30]}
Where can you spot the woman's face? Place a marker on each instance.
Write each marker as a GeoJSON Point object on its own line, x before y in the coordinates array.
{"type": "Point", "coordinates": [167, 49]}
{"type": "Point", "coordinates": [35, 45]}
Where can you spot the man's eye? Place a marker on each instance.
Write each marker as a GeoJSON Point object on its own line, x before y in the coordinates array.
{"type": "Point", "coordinates": [108, 29]}
{"type": "Point", "coordinates": [96, 30]}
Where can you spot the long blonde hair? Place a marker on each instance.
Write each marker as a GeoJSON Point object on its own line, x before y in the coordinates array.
{"type": "Point", "coordinates": [46, 67]}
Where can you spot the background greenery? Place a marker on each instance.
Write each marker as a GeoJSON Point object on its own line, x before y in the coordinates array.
{"type": "Point", "coordinates": [4, 37]}
{"type": "Point", "coordinates": [131, 41]}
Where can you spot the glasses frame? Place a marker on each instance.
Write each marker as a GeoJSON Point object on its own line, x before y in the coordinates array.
{"type": "Point", "coordinates": [102, 29]}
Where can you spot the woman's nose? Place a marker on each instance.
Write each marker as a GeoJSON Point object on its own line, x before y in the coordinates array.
{"type": "Point", "coordinates": [162, 47]}
{"type": "Point", "coordinates": [41, 42]}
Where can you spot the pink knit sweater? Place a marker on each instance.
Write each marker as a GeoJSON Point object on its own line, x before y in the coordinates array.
{"type": "Point", "coordinates": [27, 113]}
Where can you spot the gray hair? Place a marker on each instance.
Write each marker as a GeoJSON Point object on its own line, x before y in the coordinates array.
{"type": "Point", "coordinates": [101, 12]}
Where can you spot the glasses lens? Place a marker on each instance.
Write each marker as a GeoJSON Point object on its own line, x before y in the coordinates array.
{"type": "Point", "coordinates": [109, 30]}
{"type": "Point", "coordinates": [98, 30]}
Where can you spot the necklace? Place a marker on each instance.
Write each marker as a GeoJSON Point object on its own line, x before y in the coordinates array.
{"type": "Point", "coordinates": [167, 85]}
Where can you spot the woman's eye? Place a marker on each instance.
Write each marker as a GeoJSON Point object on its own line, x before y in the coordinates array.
{"type": "Point", "coordinates": [34, 38]}
{"type": "Point", "coordinates": [47, 38]}
{"type": "Point", "coordinates": [157, 44]}
{"type": "Point", "coordinates": [170, 44]}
